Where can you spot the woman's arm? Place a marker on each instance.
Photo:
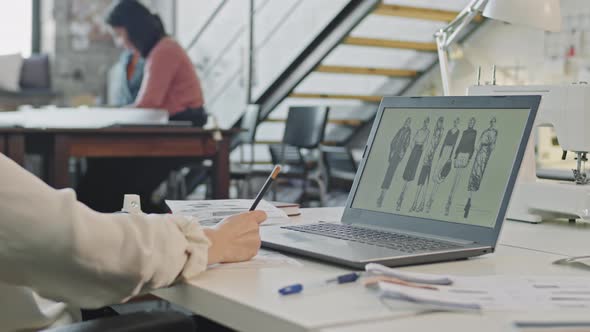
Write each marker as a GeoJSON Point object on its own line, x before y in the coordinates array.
{"type": "Point", "coordinates": [159, 71]}
{"type": "Point", "coordinates": [67, 252]}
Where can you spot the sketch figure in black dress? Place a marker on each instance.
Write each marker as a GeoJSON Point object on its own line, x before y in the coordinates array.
{"type": "Point", "coordinates": [463, 156]}
{"type": "Point", "coordinates": [487, 143]}
{"type": "Point", "coordinates": [444, 163]}
{"type": "Point", "coordinates": [420, 139]}
{"type": "Point", "coordinates": [397, 151]}
{"type": "Point", "coordinates": [424, 178]}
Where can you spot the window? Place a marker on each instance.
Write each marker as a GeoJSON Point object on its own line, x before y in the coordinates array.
{"type": "Point", "coordinates": [16, 27]}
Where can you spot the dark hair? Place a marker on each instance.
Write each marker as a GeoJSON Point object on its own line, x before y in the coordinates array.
{"type": "Point", "coordinates": [144, 29]}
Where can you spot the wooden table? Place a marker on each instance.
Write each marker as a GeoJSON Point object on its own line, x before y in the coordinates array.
{"type": "Point", "coordinates": [12, 144]}
{"type": "Point", "coordinates": [58, 145]}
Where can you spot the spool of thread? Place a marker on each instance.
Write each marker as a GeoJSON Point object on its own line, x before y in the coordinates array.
{"type": "Point", "coordinates": [132, 204]}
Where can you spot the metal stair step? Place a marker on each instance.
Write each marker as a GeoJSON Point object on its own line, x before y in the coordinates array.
{"type": "Point", "coordinates": [341, 122]}
{"type": "Point", "coordinates": [366, 98]}
{"type": "Point", "coordinates": [265, 142]}
{"type": "Point", "coordinates": [366, 71]}
{"type": "Point", "coordinates": [387, 43]}
{"type": "Point", "coordinates": [418, 13]}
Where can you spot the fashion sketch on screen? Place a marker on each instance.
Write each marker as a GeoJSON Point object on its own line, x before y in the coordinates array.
{"type": "Point", "coordinates": [424, 178]}
{"type": "Point", "coordinates": [444, 162]}
{"type": "Point", "coordinates": [463, 155]}
{"type": "Point", "coordinates": [397, 151]}
{"type": "Point", "coordinates": [420, 139]}
{"type": "Point", "coordinates": [487, 143]}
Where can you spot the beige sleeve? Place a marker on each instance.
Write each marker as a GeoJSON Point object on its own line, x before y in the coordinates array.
{"type": "Point", "coordinates": [67, 252]}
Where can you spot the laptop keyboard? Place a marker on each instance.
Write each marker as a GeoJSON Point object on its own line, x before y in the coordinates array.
{"type": "Point", "coordinates": [401, 242]}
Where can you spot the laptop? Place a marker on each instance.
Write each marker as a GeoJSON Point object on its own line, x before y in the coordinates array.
{"type": "Point", "coordinates": [433, 185]}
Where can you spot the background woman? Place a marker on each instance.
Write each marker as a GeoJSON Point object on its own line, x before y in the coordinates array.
{"type": "Point", "coordinates": [169, 82]}
{"type": "Point", "coordinates": [125, 79]}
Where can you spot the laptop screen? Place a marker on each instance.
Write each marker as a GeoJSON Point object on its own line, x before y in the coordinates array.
{"type": "Point", "coordinates": [448, 165]}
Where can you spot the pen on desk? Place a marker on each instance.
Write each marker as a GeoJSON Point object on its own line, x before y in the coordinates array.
{"type": "Point", "coordinates": [273, 175]}
{"type": "Point", "coordinates": [341, 279]}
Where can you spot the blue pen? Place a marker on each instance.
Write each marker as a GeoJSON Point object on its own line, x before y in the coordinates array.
{"type": "Point", "coordinates": [342, 279]}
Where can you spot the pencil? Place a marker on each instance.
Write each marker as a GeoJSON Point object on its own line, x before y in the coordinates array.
{"type": "Point", "coordinates": [273, 175]}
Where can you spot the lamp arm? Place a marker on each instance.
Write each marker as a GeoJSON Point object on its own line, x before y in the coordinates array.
{"type": "Point", "coordinates": [443, 61]}
{"type": "Point", "coordinates": [466, 16]}
{"type": "Point", "coordinates": [447, 35]}
{"type": "Point", "coordinates": [466, 20]}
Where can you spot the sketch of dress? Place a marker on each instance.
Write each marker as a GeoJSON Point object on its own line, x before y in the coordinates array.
{"type": "Point", "coordinates": [444, 163]}
{"type": "Point", "coordinates": [487, 143]}
{"type": "Point", "coordinates": [424, 178]}
{"type": "Point", "coordinates": [420, 139]}
{"type": "Point", "coordinates": [463, 155]}
{"type": "Point", "coordinates": [397, 151]}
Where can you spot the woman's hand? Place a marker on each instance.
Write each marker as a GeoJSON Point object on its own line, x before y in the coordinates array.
{"type": "Point", "coordinates": [236, 238]}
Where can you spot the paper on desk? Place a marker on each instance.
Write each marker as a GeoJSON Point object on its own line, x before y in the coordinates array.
{"type": "Point", "coordinates": [584, 261]}
{"type": "Point", "coordinates": [431, 298]}
{"type": "Point", "coordinates": [499, 293]}
{"type": "Point", "coordinates": [264, 259]}
{"type": "Point", "coordinates": [210, 212]}
{"type": "Point", "coordinates": [81, 117]}
{"type": "Point", "coordinates": [581, 261]}
{"type": "Point", "coordinates": [430, 279]}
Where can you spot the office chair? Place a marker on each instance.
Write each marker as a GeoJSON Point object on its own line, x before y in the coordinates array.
{"type": "Point", "coordinates": [137, 322]}
{"type": "Point", "coordinates": [337, 171]}
{"type": "Point", "coordinates": [304, 129]}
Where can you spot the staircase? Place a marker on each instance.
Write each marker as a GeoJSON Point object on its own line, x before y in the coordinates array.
{"type": "Point", "coordinates": [369, 48]}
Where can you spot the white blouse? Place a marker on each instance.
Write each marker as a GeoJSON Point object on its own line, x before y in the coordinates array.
{"type": "Point", "coordinates": [53, 247]}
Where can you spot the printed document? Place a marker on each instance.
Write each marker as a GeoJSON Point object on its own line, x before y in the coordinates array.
{"type": "Point", "coordinates": [499, 293]}
{"type": "Point", "coordinates": [210, 212]}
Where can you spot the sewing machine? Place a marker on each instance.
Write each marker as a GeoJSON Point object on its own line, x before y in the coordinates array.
{"type": "Point", "coordinates": [567, 109]}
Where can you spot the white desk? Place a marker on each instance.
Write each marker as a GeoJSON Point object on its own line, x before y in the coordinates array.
{"type": "Point", "coordinates": [247, 299]}
{"type": "Point", "coordinates": [457, 322]}
{"type": "Point", "coordinates": [558, 237]}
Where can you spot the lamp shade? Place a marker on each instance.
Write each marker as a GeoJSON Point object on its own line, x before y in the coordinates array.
{"type": "Point", "coordinates": [540, 14]}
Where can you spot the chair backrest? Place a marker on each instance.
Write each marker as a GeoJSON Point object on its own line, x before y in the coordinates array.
{"type": "Point", "coordinates": [35, 72]}
{"type": "Point", "coordinates": [305, 126]}
{"type": "Point", "coordinates": [338, 158]}
{"type": "Point", "coordinates": [337, 162]}
{"type": "Point", "coordinates": [285, 154]}
{"type": "Point", "coordinates": [248, 126]}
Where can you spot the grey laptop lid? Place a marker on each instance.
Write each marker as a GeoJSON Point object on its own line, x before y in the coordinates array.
{"type": "Point", "coordinates": [444, 166]}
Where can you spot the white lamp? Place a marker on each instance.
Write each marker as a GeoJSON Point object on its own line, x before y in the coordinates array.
{"type": "Point", "coordinates": [541, 14]}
